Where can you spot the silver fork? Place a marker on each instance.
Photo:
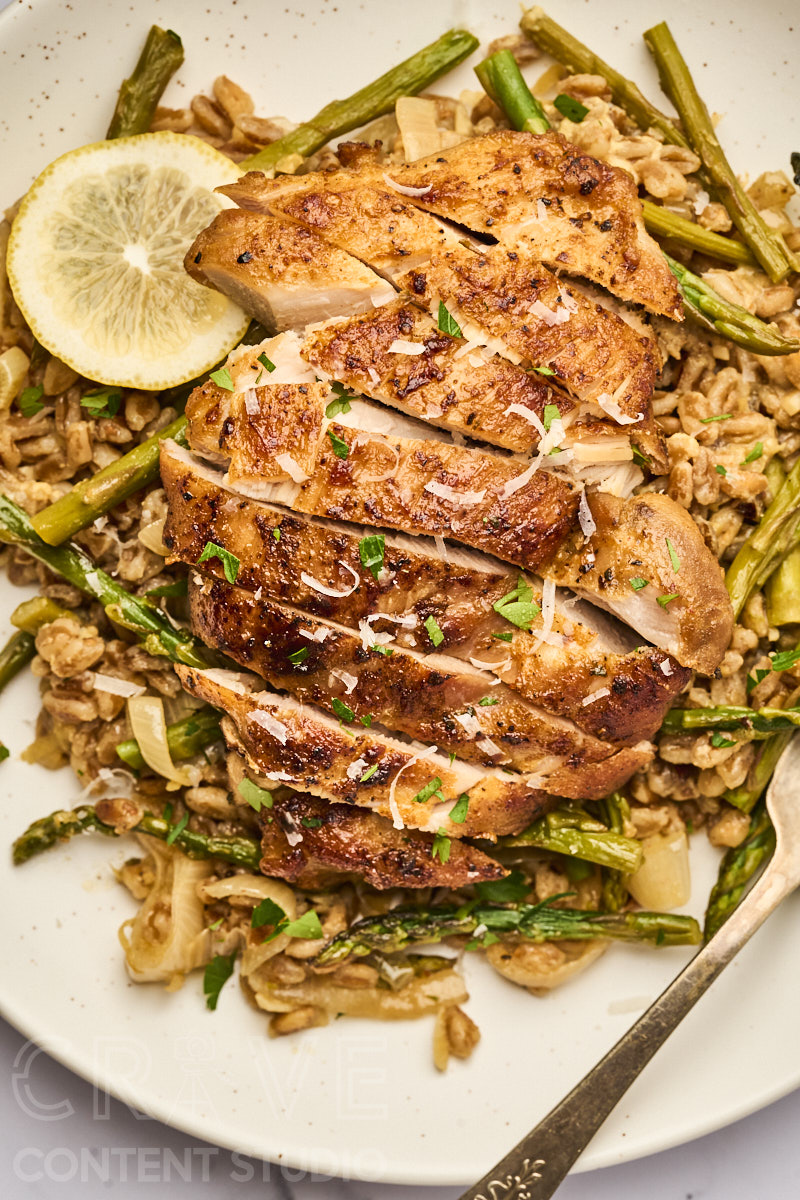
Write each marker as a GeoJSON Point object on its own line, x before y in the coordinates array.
{"type": "Point", "coordinates": [537, 1165]}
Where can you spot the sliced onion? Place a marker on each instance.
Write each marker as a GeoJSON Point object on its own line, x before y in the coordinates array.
{"type": "Point", "coordinates": [397, 820]}
{"type": "Point", "coordinates": [116, 686]}
{"type": "Point", "coordinates": [598, 695]}
{"type": "Point", "coordinates": [315, 584]}
{"type": "Point", "coordinates": [487, 666]}
{"type": "Point", "coordinates": [272, 725]}
{"type": "Point", "coordinates": [152, 537]}
{"type": "Point", "coordinates": [292, 469]}
{"type": "Point", "coordinates": [587, 521]}
{"type": "Point", "coordinates": [407, 191]}
{"type": "Point", "coordinates": [455, 497]}
{"type": "Point", "coordinates": [520, 410]}
{"type": "Point", "coordinates": [149, 726]}
{"type": "Point", "coordinates": [401, 346]}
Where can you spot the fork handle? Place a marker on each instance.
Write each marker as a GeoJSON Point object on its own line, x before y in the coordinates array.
{"type": "Point", "coordinates": [537, 1165]}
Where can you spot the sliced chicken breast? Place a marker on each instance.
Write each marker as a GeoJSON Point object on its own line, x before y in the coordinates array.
{"type": "Point", "coordinates": [334, 842]}
{"type": "Point", "coordinates": [301, 746]}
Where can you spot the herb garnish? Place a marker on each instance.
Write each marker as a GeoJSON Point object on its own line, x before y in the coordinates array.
{"type": "Point", "coordinates": [104, 402]}
{"type": "Point", "coordinates": [570, 108]}
{"type": "Point", "coordinates": [447, 323]}
{"type": "Point", "coordinates": [430, 789]}
{"type": "Point", "coordinates": [340, 447]}
{"type": "Point", "coordinates": [519, 606]}
{"type": "Point", "coordinates": [754, 454]}
{"type": "Point", "coordinates": [371, 551]}
{"type": "Point", "coordinates": [30, 400]}
{"type": "Point", "coordinates": [177, 829]}
{"type": "Point", "coordinates": [433, 631]}
{"type": "Point", "coordinates": [721, 417]}
{"type": "Point", "coordinates": [551, 413]}
{"type": "Point", "coordinates": [343, 711]}
{"type": "Point", "coordinates": [230, 563]}
{"type": "Point", "coordinates": [664, 600]}
{"type": "Point", "coordinates": [266, 363]}
{"type": "Point", "coordinates": [222, 378]}
{"type": "Point", "coordinates": [673, 557]}
{"type": "Point", "coordinates": [458, 813]}
{"type": "Point", "coordinates": [298, 656]}
{"type": "Point", "coordinates": [637, 583]}
{"type": "Point", "coordinates": [441, 846]}
{"type": "Point", "coordinates": [257, 797]}
{"type": "Point", "coordinates": [718, 740]}
{"type": "Point", "coordinates": [215, 976]}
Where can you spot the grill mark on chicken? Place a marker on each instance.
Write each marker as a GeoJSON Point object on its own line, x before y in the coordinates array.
{"type": "Point", "coordinates": [343, 842]}
{"type": "Point", "coordinates": [316, 753]}
{"type": "Point", "coordinates": [592, 351]}
{"type": "Point", "coordinates": [280, 273]}
{"type": "Point", "coordinates": [459, 595]}
{"type": "Point", "coordinates": [455, 393]}
{"type": "Point", "coordinates": [422, 697]}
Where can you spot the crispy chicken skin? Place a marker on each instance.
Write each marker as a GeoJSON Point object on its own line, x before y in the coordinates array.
{"type": "Point", "coordinates": [417, 583]}
{"type": "Point", "coordinates": [590, 221]}
{"type": "Point", "coordinates": [340, 841]}
{"type": "Point", "coordinates": [433, 698]}
{"type": "Point", "coordinates": [310, 751]}
{"type": "Point", "coordinates": [470, 393]}
{"type": "Point", "coordinates": [536, 319]}
{"type": "Point", "coordinates": [283, 275]}
{"type": "Point", "coordinates": [631, 542]}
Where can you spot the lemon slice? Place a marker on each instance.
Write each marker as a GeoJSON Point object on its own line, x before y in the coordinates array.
{"type": "Point", "coordinates": [95, 260]}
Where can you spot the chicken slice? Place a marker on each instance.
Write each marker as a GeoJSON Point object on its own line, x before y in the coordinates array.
{"type": "Point", "coordinates": [339, 842]}
{"type": "Point", "coordinates": [283, 275]}
{"type": "Point", "coordinates": [524, 312]}
{"type": "Point", "coordinates": [647, 563]}
{"type": "Point", "coordinates": [398, 355]}
{"type": "Point", "coordinates": [432, 698]}
{"type": "Point", "coordinates": [312, 565]}
{"type": "Point", "coordinates": [303, 747]}
{"type": "Point", "coordinates": [404, 482]}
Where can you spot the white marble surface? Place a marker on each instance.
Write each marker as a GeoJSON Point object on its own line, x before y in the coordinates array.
{"type": "Point", "coordinates": [60, 1141]}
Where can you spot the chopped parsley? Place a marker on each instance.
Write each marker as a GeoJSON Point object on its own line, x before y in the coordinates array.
{"type": "Point", "coordinates": [720, 469]}
{"type": "Point", "coordinates": [370, 771]}
{"type": "Point", "coordinates": [718, 740]}
{"type": "Point", "coordinates": [311, 822]}
{"type": "Point", "coordinates": [340, 448]}
{"type": "Point", "coordinates": [104, 402]}
{"type": "Point", "coordinates": [504, 891]}
{"type": "Point", "coordinates": [544, 370]}
{"type": "Point", "coordinates": [640, 459]}
{"type": "Point", "coordinates": [266, 363]}
{"type": "Point", "coordinates": [179, 588]}
{"type": "Point", "coordinates": [371, 551]}
{"type": "Point", "coordinates": [504, 637]}
{"type": "Point", "coordinates": [4, 752]}
{"type": "Point", "coordinates": [267, 913]}
{"type": "Point", "coordinates": [298, 656]}
{"type": "Point", "coordinates": [433, 631]}
{"type": "Point", "coordinates": [441, 846]}
{"type": "Point", "coordinates": [447, 323]}
{"type": "Point", "coordinates": [257, 797]}
{"type": "Point", "coordinates": [216, 925]}
{"type": "Point", "coordinates": [665, 600]}
{"type": "Point", "coordinates": [673, 558]}
{"type": "Point", "coordinates": [551, 413]}
{"type": "Point", "coordinates": [637, 583]}
{"type": "Point", "coordinates": [276, 533]}
{"type": "Point", "coordinates": [755, 679]}
{"type": "Point", "coordinates": [341, 403]}
{"type": "Point", "coordinates": [230, 563]}
{"type": "Point", "coordinates": [458, 813]}
{"type": "Point", "coordinates": [178, 829]}
{"type": "Point", "coordinates": [519, 606]}
{"type": "Point", "coordinates": [222, 378]}
{"type": "Point", "coordinates": [721, 417]}
{"type": "Point", "coordinates": [366, 720]}
{"type": "Point", "coordinates": [429, 790]}
{"type": "Point", "coordinates": [307, 926]}
{"type": "Point", "coordinates": [270, 913]}
{"type": "Point", "coordinates": [570, 108]}
{"type": "Point", "coordinates": [216, 975]}
{"type": "Point", "coordinates": [784, 659]}
{"type": "Point", "coordinates": [386, 651]}
{"type": "Point", "coordinates": [487, 701]}
{"type": "Point", "coordinates": [754, 454]}
{"type": "Point", "coordinates": [30, 400]}
{"type": "Point", "coordinates": [343, 711]}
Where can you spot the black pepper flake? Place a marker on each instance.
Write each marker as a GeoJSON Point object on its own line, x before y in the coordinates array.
{"type": "Point", "coordinates": [198, 256]}
{"type": "Point", "coordinates": [243, 258]}
{"type": "Point", "coordinates": [517, 169]}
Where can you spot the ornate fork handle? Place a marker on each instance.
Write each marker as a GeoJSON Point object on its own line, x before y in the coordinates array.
{"type": "Point", "coordinates": [537, 1165]}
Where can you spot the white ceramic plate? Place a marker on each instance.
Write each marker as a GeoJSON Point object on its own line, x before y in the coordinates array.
{"type": "Point", "coordinates": [356, 1098]}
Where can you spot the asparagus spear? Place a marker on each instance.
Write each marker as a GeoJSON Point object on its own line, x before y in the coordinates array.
{"type": "Point", "coordinates": [502, 80]}
{"type": "Point", "coordinates": [100, 493]}
{"type": "Point", "coordinates": [62, 825]}
{"type": "Point", "coordinates": [161, 56]}
{"type": "Point", "coordinates": [615, 811]}
{"type": "Point", "coordinates": [378, 97]}
{"type": "Point", "coordinates": [766, 244]}
{"type": "Point", "coordinates": [754, 721]}
{"type": "Point", "coordinates": [746, 796]}
{"type": "Point", "coordinates": [158, 635]}
{"type": "Point", "coordinates": [738, 867]}
{"type": "Point", "coordinates": [580, 60]}
{"type": "Point", "coordinates": [31, 615]}
{"type": "Point", "coordinates": [776, 535]}
{"type": "Point", "coordinates": [783, 591]}
{"type": "Point", "coordinates": [663, 223]}
{"type": "Point", "coordinates": [534, 922]}
{"type": "Point", "coordinates": [16, 654]}
{"type": "Point", "coordinates": [185, 738]}
{"type": "Point", "coordinates": [577, 834]}
{"type": "Point", "coordinates": [729, 320]}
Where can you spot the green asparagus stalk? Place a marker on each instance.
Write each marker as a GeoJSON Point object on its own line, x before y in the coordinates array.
{"type": "Point", "coordinates": [756, 722]}
{"type": "Point", "coordinates": [729, 320]}
{"type": "Point", "coordinates": [93, 497]}
{"type": "Point", "coordinates": [502, 79]}
{"type": "Point", "coordinates": [776, 535]}
{"type": "Point", "coordinates": [577, 834]}
{"type": "Point", "coordinates": [16, 654]}
{"type": "Point", "coordinates": [766, 244]}
{"type": "Point", "coordinates": [62, 825]}
{"type": "Point", "coordinates": [534, 922]}
{"type": "Point", "coordinates": [665, 224]}
{"type": "Point", "coordinates": [580, 60]}
{"type": "Point", "coordinates": [738, 867]}
{"type": "Point", "coordinates": [615, 811]}
{"type": "Point", "coordinates": [783, 591]}
{"type": "Point", "coordinates": [185, 738]}
{"type": "Point", "coordinates": [378, 97]}
{"type": "Point", "coordinates": [158, 635]}
{"type": "Point", "coordinates": [747, 795]}
{"type": "Point", "coordinates": [161, 56]}
{"type": "Point", "coordinates": [31, 615]}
